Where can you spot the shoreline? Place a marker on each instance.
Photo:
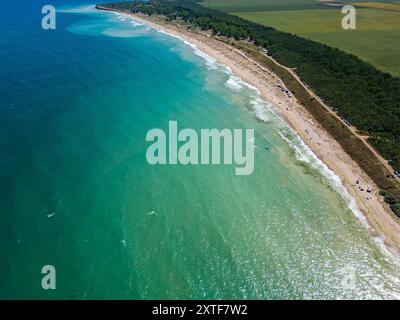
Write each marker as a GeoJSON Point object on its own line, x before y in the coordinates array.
{"type": "Point", "coordinates": [381, 222]}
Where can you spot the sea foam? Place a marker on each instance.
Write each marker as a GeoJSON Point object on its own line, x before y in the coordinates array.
{"type": "Point", "coordinates": [233, 83]}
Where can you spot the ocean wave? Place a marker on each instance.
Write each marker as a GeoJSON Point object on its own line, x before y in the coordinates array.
{"type": "Point", "coordinates": [211, 63]}
{"type": "Point", "coordinates": [233, 83]}
{"type": "Point", "coordinates": [136, 24]}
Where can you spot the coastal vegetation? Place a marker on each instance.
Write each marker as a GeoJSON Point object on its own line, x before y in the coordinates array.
{"type": "Point", "coordinates": [363, 96]}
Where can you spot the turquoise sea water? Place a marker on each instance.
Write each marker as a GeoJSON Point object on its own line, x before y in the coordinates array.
{"type": "Point", "coordinates": [77, 193]}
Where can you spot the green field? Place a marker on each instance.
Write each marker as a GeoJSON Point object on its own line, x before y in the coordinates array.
{"type": "Point", "coordinates": [258, 5]}
{"type": "Point", "coordinates": [267, 5]}
{"type": "Point", "coordinates": [376, 39]}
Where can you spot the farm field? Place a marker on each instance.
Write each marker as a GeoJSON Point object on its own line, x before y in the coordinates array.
{"type": "Point", "coordinates": [376, 39]}
{"type": "Point", "coordinates": [257, 5]}
{"type": "Point", "coordinates": [378, 5]}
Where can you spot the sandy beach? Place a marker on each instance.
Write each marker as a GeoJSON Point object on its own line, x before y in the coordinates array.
{"type": "Point", "coordinates": [384, 225]}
